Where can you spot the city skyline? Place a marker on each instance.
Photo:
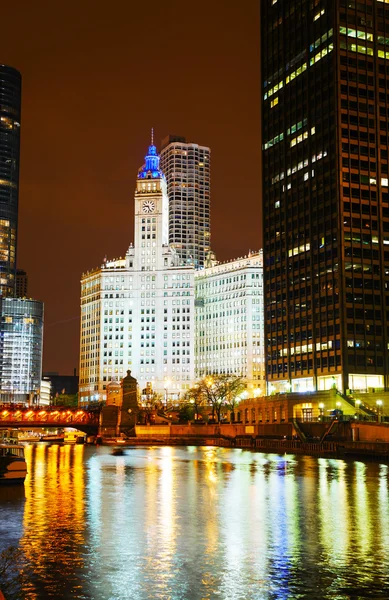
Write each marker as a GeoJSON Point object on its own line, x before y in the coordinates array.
{"type": "Point", "coordinates": [82, 144]}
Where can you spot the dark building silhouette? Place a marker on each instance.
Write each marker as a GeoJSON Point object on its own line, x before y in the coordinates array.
{"type": "Point", "coordinates": [325, 108]}
{"type": "Point", "coordinates": [62, 384]}
{"type": "Point", "coordinates": [10, 105]}
{"type": "Point", "coordinates": [21, 284]}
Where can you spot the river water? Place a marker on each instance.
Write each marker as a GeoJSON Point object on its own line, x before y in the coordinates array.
{"type": "Point", "coordinates": [198, 523]}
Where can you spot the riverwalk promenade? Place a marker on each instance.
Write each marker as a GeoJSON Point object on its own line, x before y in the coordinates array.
{"type": "Point", "coordinates": [348, 439]}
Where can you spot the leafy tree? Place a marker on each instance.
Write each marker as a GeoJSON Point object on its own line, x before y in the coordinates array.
{"type": "Point", "coordinates": [194, 400]}
{"type": "Point", "coordinates": [221, 392]}
{"type": "Point", "coordinates": [186, 412]}
{"type": "Point", "coordinates": [150, 402]}
{"type": "Point", "coordinates": [236, 388]}
{"type": "Point", "coordinates": [70, 400]}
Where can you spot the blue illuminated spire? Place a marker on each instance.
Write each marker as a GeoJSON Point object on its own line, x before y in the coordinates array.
{"type": "Point", "coordinates": [150, 169]}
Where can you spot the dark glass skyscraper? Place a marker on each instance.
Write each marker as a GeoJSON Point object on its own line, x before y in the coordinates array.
{"type": "Point", "coordinates": [10, 104]}
{"type": "Point", "coordinates": [325, 103]}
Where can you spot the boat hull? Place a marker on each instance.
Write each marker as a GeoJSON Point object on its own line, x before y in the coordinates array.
{"type": "Point", "coordinates": [12, 470]}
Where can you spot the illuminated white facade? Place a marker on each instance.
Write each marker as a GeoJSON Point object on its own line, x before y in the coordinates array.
{"type": "Point", "coordinates": [45, 392]}
{"type": "Point", "coordinates": [229, 321]}
{"type": "Point", "coordinates": [137, 313]}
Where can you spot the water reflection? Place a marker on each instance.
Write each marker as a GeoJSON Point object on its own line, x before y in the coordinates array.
{"type": "Point", "coordinates": [195, 523]}
{"type": "Point", "coordinates": [54, 520]}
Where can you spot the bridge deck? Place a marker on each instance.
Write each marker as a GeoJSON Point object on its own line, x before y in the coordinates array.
{"type": "Point", "coordinates": [48, 417]}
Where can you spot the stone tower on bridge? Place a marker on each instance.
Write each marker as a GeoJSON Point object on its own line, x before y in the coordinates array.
{"type": "Point", "coordinates": [120, 413]}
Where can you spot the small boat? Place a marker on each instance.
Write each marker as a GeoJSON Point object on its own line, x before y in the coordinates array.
{"type": "Point", "coordinates": [54, 438]}
{"type": "Point", "coordinates": [117, 452]}
{"type": "Point", "coordinates": [29, 436]}
{"type": "Point", "coordinates": [74, 437]}
{"type": "Point", "coordinates": [13, 466]}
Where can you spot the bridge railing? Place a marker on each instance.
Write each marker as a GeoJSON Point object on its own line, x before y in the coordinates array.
{"type": "Point", "coordinates": [46, 415]}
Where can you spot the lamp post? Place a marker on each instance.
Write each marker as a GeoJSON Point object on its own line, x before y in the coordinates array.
{"type": "Point", "coordinates": [379, 409]}
{"type": "Point", "coordinates": [321, 408]}
{"type": "Point", "coordinates": [338, 405]}
{"type": "Point", "coordinates": [167, 384]}
{"type": "Point", "coordinates": [192, 402]}
{"type": "Point", "coordinates": [358, 407]}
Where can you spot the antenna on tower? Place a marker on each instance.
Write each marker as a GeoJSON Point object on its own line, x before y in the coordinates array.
{"type": "Point", "coordinates": [152, 136]}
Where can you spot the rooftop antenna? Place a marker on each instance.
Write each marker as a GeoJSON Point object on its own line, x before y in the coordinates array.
{"type": "Point", "coordinates": [152, 136]}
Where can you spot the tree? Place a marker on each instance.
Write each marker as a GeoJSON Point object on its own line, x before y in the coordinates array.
{"type": "Point", "coordinates": [70, 400]}
{"type": "Point", "coordinates": [194, 399]}
{"type": "Point", "coordinates": [237, 386]}
{"type": "Point", "coordinates": [186, 412]}
{"type": "Point", "coordinates": [221, 392]}
{"type": "Point", "coordinates": [150, 403]}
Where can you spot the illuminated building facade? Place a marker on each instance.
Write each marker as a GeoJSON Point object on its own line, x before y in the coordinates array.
{"type": "Point", "coordinates": [45, 392]}
{"type": "Point", "coordinates": [187, 170]}
{"type": "Point", "coordinates": [21, 345]}
{"type": "Point", "coordinates": [137, 312]}
{"type": "Point", "coordinates": [229, 321]}
{"type": "Point", "coordinates": [10, 106]}
{"type": "Point", "coordinates": [325, 72]}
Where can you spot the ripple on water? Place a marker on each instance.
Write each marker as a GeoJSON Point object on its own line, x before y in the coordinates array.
{"type": "Point", "coordinates": [194, 523]}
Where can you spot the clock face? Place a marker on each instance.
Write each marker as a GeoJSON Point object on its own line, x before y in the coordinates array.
{"type": "Point", "coordinates": [148, 206]}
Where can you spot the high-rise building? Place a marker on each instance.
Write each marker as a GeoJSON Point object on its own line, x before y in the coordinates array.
{"type": "Point", "coordinates": [229, 321]}
{"type": "Point", "coordinates": [21, 284]}
{"type": "Point", "coordinates": [21, 344]}
{"type": "Point", "coordinates": [21, 320]}
{"type": "Point", "coordinates": [187, 170]}
{"type": "Point", "coordinates": [325, 108]}
{"type": "Point", "coordinates": [137, 313]}
{"type": "Point", "coordinates": [10, 106]}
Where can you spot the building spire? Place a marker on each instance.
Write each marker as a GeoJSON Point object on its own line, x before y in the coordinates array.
{"type": "Point", "coordinates": [151, 167]}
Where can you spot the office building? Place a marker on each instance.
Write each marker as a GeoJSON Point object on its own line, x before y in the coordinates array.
{"type": "Point", "coordinates": [137, 312]}
{"type": "Point", "coordinates": [21, 345]}
{"type": "Point", "coordinates": [325, 73]}
{"type": "Point", "coordinates": [229, 321]}
{"type": "Point", "coordinates": [187, 170]}
{"type": "Point", "coordinates": [10, 105]}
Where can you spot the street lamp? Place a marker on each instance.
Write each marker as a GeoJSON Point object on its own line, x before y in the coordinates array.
{"type": "Point", "coordinates": [321, 408]}
{"type": "Point", "coordinates": [358, 407]}
{"type": "Point", "coordinates": [167, 384]}
{"type": "Point", "coordinates": [192, 402]}
{"type": "Point", "coordinates": [379, 408]}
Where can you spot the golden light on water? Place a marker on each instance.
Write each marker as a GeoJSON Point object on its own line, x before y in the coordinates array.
{"type": "Point", "coordinates": [231, 522]}
{"type": "Point", "coordinates": [55, 494]}
{"type": "Point", "coordinates": [361, 516]}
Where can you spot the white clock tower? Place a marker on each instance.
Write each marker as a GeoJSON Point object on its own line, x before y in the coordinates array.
{"type": "Point", "coordinates": [142, 318]}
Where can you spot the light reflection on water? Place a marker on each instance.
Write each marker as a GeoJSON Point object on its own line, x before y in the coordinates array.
{"type": "Point", "coordinates": [198, 523]}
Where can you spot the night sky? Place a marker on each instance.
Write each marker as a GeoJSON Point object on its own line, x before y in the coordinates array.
{"type": "Point", "coordinates": [96, 77]}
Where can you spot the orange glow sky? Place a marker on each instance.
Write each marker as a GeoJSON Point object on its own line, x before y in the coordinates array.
{"type": "Point", "coordinates": [96, 77]}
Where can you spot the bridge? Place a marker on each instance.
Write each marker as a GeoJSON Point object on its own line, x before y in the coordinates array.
{"type": "Point", "coordinates": [18, 417]}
